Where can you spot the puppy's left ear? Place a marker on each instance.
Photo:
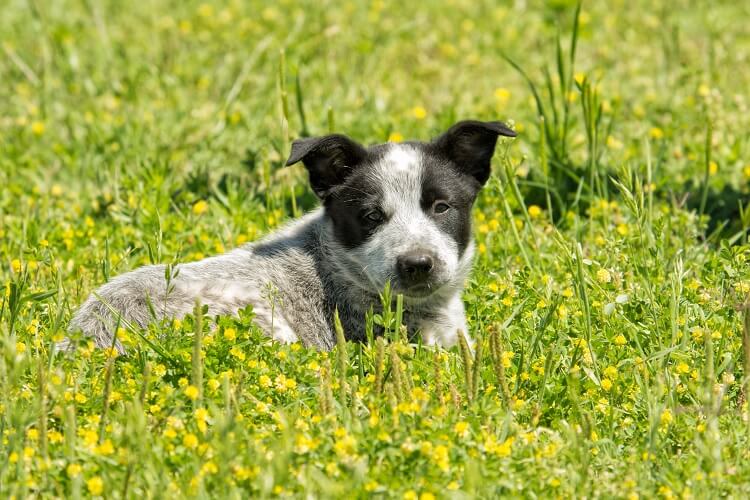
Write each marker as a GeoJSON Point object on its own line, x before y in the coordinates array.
{"type": "Point", "coordinates": [470, 145]}
{"type": "Point", "coordinates": [329, 160]}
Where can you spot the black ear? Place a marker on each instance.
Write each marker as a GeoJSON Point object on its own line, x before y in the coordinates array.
{"type": "Point", "coordinates": [471, 144]}
{"type": "Point", "coordinates": [328, 159]}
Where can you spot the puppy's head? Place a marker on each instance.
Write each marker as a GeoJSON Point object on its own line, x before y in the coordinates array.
{"type": "Point", "coordinates": [402, 212]}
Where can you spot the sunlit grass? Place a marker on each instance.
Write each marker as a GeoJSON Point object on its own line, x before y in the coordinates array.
{"type": "Point", "coordinates": [608, 320]}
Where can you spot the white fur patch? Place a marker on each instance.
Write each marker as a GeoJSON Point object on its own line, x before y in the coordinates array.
{"type": "Point", "coordinates": [228, 297]}
{"type": "Point", "coordinates": [401, 158]}
{"type": "Point", "coordinates": [450, 323]}
{"type": "Point", "coordinates": [283, 332]}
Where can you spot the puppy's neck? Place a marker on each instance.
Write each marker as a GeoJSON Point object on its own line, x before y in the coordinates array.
{"type": "Point", "coordinates": [347, 280]}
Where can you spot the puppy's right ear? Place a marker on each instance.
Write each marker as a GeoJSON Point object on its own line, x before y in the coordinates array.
{"type": "Point", "coordinates": [471, 144]}
{"type": "Point", "coordinates": [329, 160]}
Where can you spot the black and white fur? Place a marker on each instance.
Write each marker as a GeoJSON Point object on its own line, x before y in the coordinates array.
{"type": "Point", "coordinates": [395, 212]}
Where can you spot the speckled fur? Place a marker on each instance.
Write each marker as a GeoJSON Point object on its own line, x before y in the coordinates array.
{"type": "Point", "coordinates": [296, 268]}
{"type": "Point", "coordinates": [297, 277]}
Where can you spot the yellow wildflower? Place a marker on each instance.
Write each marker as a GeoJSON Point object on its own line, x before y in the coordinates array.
{"type": "Point", "coordinates": [54, 436]}
{"type": "Point", "coordinates": [440, 457]}
{"type": "Point", "coordinates": [106, 448]}
{"type": "Point", "coordinates": [502, 95]}
{"type": "Point", "coordinates": [200, 207]}
{"type": "Point", "coordinates": [190, 441]}
{"type": "Point", "coordinates": [73, 470]}
{"type": "Point", "coordinates": [192, 392]}
{"type": "Point", "coordinates": [419, 112]}
{"type": "Point", "coordinates": [666, 417]}
{"type": "Point", "coordinates": [95, 485]}
{"type": "Point", "coordinates": [506, 357]}
{"type": "Point", "coordinates": [230, 334]}
{"type": "Point", "coordinates": [37, 128]}
{"type": "Point", "coordinates": [209, 468]}
{"type": "Point", "coordinates": [461, 428]}
{"type": "Point", "coordinates": [656, 133]}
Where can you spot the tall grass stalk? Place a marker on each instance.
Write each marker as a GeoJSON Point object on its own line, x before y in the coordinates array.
{"type": "Point", "coordinates": [197, 357]}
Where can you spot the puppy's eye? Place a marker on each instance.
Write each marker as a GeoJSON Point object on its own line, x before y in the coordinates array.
{"type": "Point", "coordinates": [440, 207]}
{"type": "Point", "coordinates": [374, 216]}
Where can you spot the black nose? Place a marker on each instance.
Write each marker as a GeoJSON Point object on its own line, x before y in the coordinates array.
{"type": "Point", "coordinates": [415, 267]}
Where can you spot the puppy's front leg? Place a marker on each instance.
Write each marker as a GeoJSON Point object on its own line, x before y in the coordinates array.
{"type": "Point", "coordinates": [443, 328]}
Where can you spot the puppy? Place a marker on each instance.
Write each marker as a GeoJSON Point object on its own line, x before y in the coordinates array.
{"type": "Point", "coordinates": [391, 213]}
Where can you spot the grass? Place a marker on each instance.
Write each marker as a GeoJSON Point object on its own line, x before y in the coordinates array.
{"type": "Point", "coordinates": [608, 316]}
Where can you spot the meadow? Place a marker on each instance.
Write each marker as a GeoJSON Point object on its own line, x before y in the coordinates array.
{"type": "Point", "coordinates": [608, 299]}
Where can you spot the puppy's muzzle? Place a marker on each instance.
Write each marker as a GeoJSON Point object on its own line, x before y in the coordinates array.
{"type": "Point", "coordinates": [415, 268]}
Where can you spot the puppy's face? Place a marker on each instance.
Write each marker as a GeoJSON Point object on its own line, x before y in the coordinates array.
{"type": "Point", "coordinates": [401, 213]}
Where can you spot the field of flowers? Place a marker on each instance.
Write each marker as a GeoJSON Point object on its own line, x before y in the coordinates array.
{"type": "Point", "coordinates": [607, 301]}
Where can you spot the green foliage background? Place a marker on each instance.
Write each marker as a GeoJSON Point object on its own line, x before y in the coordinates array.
{"type": "Point", "coordinates": [609, 342]}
